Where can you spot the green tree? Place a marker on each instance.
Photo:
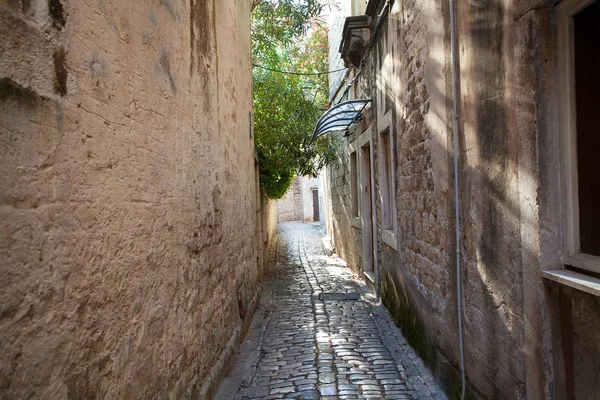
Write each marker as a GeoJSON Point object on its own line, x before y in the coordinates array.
{"type": "Point", "coordinates": [287, 36]}
{"type": "Point", "coordinates": [312, 57]}
{"type": "Point", "coordinates": [278, 23]}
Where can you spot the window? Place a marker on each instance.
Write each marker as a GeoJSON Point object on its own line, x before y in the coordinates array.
{"type": "Point", "coordinates": [386, 180]}
{"type": "Point", "coordinates": [387, 184]}
{"type": "Point", "coordinates": [354, 183]}
{"type": "Point", "coordinates": [579, 57]}
{"type": "Point", "coordinates": [355, 195]}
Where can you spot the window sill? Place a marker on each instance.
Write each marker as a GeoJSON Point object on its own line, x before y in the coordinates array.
{"type": "Point", "coordinates": [370, 276]}
{"type": "Point", "coordinates": [389, 238]}
{"type": "Point", "coordinates": [584, 261]}
{"type": "Point", "coordinates": [356, 222]}
{"type": "Point", "coordinates": [575, 280]}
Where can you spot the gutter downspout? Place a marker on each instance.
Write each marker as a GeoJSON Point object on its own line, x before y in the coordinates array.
{"type": "Point", "coordinates": [456, 196]}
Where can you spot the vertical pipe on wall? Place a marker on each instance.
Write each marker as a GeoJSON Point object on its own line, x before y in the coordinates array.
{"type": "Point", "coordinates": [456, 196]}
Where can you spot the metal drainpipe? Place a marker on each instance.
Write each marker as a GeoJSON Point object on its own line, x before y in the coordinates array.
{"type": "Point", "coordinates": [456, 197]}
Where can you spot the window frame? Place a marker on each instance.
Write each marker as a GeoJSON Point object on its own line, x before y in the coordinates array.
{"type": "Point", "coordinates": [387, 178]}
{"type": "Point", "coordinates": [572, 254]}
{"type": "Point", "coordinates": [355, 195]}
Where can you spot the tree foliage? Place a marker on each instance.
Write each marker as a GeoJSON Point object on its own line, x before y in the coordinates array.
{"type": "Point", "coordinates": [287, 36]}
{"type": "Point", "coordinates": [278, 23]}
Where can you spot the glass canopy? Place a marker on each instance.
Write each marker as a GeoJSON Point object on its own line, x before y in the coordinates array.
{"type": "Point", "coordinates": [340, 117]}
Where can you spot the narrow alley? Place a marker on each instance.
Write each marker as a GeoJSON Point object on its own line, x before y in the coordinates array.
{"type": "Point", "coordinates": [299, 199]}
{"type": "Point", "coordinates": [319, 333]}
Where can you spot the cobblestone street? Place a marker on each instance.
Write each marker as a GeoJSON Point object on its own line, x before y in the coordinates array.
{"type": "Point", "coordinates": [320, 334]}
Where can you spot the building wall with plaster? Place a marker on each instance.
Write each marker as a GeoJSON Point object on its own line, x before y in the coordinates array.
{"type": "Point", "coordinates": [127, 196]}
{"type": "Point", "coordinates": [309, 185]}
{"type": "Point", "coordinates": [525, 336]}
{"type": "Point", "coordinates": [298, 202]}
{"type": "Point", "coordinates": [290, 207]}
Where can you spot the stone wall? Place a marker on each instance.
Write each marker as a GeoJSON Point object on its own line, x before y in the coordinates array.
{"type": "Point", "coordinates": [290, 207]}
{"type": "Point", "coordinates": [267, 221]}
{"type": "Point", "coordinates": [285, 207]}
{"type": "Point", "coordinates": [561, 337]}
{"type": "Point", "coordinates": [525, 336]}
{"type": "Point", "coordinates": [297, 204]}
{"type": "Point", "coordinates": [128, 196]}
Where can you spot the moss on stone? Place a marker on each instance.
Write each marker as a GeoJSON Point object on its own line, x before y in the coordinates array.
{"type": "Point", "coordinates": [398, 304]}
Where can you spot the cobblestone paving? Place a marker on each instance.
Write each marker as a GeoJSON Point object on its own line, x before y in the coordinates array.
{"type": "Point", "coordinates": [321, 337]}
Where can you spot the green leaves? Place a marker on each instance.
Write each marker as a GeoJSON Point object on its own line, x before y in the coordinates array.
{"type": "Point", "coordinates": [277, 23]}
{"type": "Point", "coordinates": [286, 106]}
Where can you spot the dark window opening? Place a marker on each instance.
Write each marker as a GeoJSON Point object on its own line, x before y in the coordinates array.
{"type": "Point", "coordinates": [387, 187]}
{"type": "Point", "coordinates": [354, 183]}
{"type": "Point", "coordinates": [587, 105]}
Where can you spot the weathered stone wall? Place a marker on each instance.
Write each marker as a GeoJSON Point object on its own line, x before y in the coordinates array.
{"type": "Point", "coordinates": [267, 221]}
{"type": "Point", "coordinates": [285, 207]}
{"type": "Point", "coordinates": [406, 80]}
{"type": "Point", "coordinates": [525, 337]}
{"type": "Point", "coordinates": [561, 337]}
{"type": "Point", "coordinates": [406, 74]}
{"type": "Point", "coordinates": [125, 207]}
{"type": "Point", "coordinates": [489, 204]}
{"type": "Point", "coordinates": [290, 207]}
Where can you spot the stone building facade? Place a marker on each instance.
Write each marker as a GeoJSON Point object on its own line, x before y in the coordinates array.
{"type": "Point", "coordinates": [302, 202]}
{"type": "Point", "coordinates": [290, 207]}
{"type": "Point", "coordinates": [128, 197]}
{"type": "Point", "coordinates": [527, 204]}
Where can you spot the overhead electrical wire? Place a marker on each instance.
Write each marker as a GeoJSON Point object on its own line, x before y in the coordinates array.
{"type": "Point", "coordinates": [298, 73]}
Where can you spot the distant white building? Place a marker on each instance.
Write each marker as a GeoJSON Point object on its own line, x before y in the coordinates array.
{"type": "Point", "coordinates": [304, 201]}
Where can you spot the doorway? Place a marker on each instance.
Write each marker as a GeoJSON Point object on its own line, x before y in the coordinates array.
{"type": "Point", "coordinates": [367, 211]}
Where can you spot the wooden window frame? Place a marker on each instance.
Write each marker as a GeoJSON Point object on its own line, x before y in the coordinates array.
{"type": "Point", "coordinates": [389, 227]}
{"type": "Point", "coordinates": [572, 254]}
{"type": "Point", "coordinates": [355, 195]}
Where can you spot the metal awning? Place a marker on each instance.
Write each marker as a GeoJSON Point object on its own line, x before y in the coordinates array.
{"type": "Point", "coordinates": [340, 117]}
